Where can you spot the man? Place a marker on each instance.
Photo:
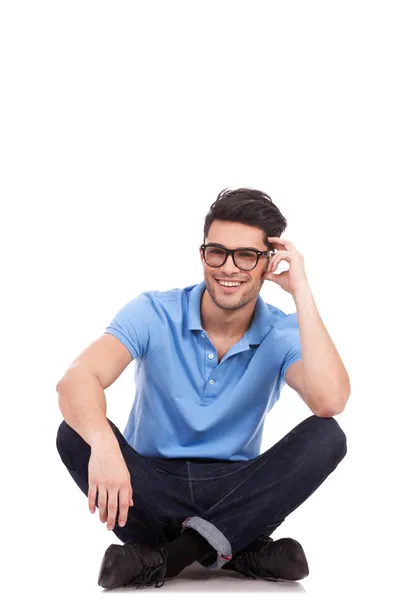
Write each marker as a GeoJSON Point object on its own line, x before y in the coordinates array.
{"type": "Point", "coordinates": [186, 481]}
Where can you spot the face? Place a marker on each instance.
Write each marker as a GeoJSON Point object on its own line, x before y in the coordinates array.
{"type": "Point", "coordinates": [234, 235]}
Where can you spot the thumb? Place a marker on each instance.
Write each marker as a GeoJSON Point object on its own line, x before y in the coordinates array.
{"type": "Point", "coordinates": [270, 276]}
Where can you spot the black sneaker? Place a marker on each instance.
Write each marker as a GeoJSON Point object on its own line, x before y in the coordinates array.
{"type": "Point", "coordinates": [273, 561]}
{"type": "Point", "coordinates": [132, 564]}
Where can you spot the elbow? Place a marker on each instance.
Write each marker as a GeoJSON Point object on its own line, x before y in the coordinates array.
{"type": "Point", "coordinates": [60, 387]}
{"type": "Point", "coordinates": [59, 384]}
{"type": "Point", "coordinates": [332, 409]}
{"type": "Point", "coordinates": [326, 413]}
{"type": "Point", "coordinates": [68, 375]}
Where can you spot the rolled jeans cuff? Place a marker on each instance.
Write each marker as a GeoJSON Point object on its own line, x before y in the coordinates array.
{"type": "Point", "coordinates": [214, 537]}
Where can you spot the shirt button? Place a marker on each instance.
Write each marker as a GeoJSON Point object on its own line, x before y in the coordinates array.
{"type": "Point", "coordinates": [202, 335]}
{"type": "Point", "coordinates": [211, 380]}
{"type": "Point", "coordinates": [211, 356]}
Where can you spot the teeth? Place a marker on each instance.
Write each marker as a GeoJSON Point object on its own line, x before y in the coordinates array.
{"type": "Point", "coordinates": [229, 284]}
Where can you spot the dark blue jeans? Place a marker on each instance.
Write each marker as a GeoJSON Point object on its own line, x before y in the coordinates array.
{"type": "Point", "coordinates": [230, 503]}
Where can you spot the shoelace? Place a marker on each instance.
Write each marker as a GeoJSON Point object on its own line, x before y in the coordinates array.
{"type": "Point", "coordinates": [248, 564]}
{"type": "Point", "coordinates": [153, 572]}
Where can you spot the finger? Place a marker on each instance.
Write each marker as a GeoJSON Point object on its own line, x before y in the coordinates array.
{"type": "Point", "coordinates": [123, 506]}
{"type": "Point", "coordinates": [282, 244]}
{"type": "Point", "coordinates": [274, 262]}
{"type": "Point", "coordinates": [112, 507]}
{"type": "Point", "coordinates": [279, 241]}
{"type": "Point", "coordinates": [275, 258]}
{"type": "Point", "coordinates": [274, 267]}
{"type": "Point", "coordinates": [92, 491]}
{"type": "Point", "coordinates": [269, 263]}
{"type": "Point", "coordinates": [279, 256]}
{"type": "Point", "coordinates": [102, 504]}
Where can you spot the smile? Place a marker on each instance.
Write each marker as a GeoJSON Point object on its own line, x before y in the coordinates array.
{"type": "Point", "coordinates": [229, 286]}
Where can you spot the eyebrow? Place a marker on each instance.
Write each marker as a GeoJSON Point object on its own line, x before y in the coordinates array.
{"type": "Point", "coordinates": [240, 247]}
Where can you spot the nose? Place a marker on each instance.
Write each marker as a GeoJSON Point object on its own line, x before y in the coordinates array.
{"type": "Point", "coordinates": [229, 266]}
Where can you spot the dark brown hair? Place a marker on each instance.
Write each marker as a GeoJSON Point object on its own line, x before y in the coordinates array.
{"type": "Point", "coordinates": [248, 206]}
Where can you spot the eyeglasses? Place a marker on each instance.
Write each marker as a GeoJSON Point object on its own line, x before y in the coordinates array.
{"type": "Point", "coordinates": [246, 259]}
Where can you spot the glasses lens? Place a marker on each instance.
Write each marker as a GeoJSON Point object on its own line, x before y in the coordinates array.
{"type": "Point", "coordinates": [245, 259]}
{"type": "Point", "coordinates": [214, 256]}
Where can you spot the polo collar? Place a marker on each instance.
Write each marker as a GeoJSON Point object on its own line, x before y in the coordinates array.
{"type": "Point", "coordinates": [260, 326]}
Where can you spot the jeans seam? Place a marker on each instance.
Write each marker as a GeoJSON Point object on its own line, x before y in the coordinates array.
{"type": "Point", "coordinates": [207, 478]}
{"type": "Point", "coordinates": [240, 483]}
{"type": "Point", "coordinates": [190, 482]}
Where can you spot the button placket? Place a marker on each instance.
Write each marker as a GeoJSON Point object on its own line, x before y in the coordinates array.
{"type": "Point", "coordinates": [212, 369]}
{"type": "Point", "coordinates": [209, 357]}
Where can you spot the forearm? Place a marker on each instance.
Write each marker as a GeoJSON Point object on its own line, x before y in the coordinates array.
{"type": "Point", "coordinates": [82, 402]}
{"type": "Point", "coordinates": [326, 382]}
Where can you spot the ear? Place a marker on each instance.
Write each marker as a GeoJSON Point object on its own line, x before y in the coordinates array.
{"type": "Point", "coordinates": [201, 257]}
{"type": "Point", "coordinates": [264, 273]}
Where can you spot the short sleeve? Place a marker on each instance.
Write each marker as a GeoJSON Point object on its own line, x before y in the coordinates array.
{"type": "Point", "coordinates": [138, 325]}
{"type": "Point", "coordinates": [288, 342]}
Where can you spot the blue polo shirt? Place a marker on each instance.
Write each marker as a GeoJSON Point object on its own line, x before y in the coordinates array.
{"type": "Point", "coordinates": [186, 404]}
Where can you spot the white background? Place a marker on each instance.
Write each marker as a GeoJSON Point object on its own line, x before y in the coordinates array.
{"type": "Point", "coordinates": [120, 123]}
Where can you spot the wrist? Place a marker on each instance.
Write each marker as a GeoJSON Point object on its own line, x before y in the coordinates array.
{"type": "Point", "coordinates": [100, 439]}
{"type": "Point", "coordinates": [303, 291]}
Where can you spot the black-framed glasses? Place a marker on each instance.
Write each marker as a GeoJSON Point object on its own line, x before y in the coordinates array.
{"type": "Point", "coordinates": [246, 259]}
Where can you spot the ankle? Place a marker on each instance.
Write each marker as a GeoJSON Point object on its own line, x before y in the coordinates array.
{"type": "Point", "coordinates": [187, 548]}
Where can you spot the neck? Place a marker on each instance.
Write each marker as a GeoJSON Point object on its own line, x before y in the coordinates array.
{"type": "Point", "coordinates": [223, 323]}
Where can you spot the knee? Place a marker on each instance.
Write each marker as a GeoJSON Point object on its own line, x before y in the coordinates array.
{"type": "Point", "coordinates": [63, 433]}
{"type": "Point", "coordinates": [68, 443]}
{"type": "Point", "coordinates": [330, 435]}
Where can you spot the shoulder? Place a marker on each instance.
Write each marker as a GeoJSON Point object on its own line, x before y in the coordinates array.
{"type": "Point", "coordinates": [163, 298]}
{"type": "Point", "coordinates": [161, 304]}
{"type": "Point", "coordinates": [282, 320]}
{"type": "Point", "coordinates": [157, 302]}
{"type": "Point", "coordinates": [286, 335]}
{"type": "Point", "coordinates": [285, 324]}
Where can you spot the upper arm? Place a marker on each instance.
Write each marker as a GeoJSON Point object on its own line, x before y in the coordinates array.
{"type": "Point", "coordinates": [106, 358]}
{"type": "Point", "coordinates": [139, 325]}
{"type": "Point", "coordinates": [294, 378]}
